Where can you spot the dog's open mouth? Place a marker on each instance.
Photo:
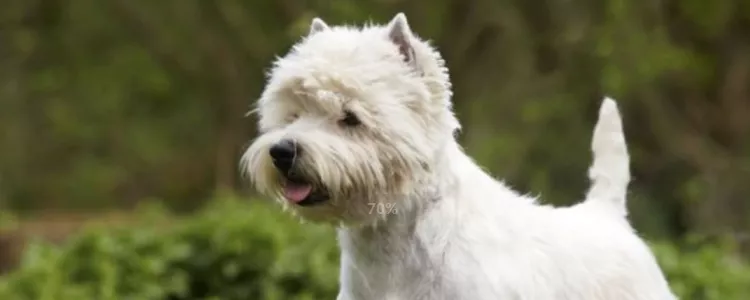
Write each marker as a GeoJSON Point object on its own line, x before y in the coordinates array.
{"type": "Point", "coordinates": [302, 193]}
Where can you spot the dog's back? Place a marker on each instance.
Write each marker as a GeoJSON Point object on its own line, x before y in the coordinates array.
{"type": "Point", "coordinates": [505, 246]}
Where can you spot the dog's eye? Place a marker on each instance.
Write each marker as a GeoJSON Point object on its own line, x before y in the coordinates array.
{"type": "Point", "coordinates": [350, 119]}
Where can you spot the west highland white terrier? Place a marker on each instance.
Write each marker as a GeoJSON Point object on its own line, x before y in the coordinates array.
{"type": "Point", "coordinates": [358, 130]}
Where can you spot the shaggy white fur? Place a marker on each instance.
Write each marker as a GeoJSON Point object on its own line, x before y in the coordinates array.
{"type": "Point", "coordinates": [358, 131]}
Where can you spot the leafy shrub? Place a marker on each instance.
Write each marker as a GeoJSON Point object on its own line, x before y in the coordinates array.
{"type": "Point", "coordinates": [251, 250]}
{"type": "Point", "coordinates": [231, 250]}
{"type": "Point", "coordinates": [701, 270]}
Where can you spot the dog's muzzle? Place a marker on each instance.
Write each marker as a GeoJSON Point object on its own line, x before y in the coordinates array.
{"type": "Point", "coordinates": [296, 188]}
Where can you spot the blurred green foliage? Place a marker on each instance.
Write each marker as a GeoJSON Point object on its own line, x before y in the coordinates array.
{"type": "Point", "coordinates": [252, 250]}
{"type": "Point", "coordinates": [131, 99]}
{"type": "Point", "coordinates": [704, 270]}
{"type": "Point", "coordinates": [230, 250]}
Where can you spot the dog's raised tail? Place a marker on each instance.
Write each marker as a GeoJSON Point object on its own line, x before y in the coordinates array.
{"type": "Point", "coordinates": [610, 170]}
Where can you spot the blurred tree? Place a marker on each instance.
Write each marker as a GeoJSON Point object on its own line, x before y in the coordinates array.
{"type": "Point", "coordinates": [110, 102]}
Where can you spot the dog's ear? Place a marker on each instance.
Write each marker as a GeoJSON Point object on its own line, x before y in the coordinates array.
{"type": "Point", "coordinates": [400, 34]}
{"type": "Point", "coordinates": [317, 25]}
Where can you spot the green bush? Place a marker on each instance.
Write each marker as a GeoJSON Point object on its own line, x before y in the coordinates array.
{"type": "Point", "coordinates": [700, 270]}
{"type": "Point", "coordinates": [231, 250]}
{"type": "Point", "coordinates": [251, 250]}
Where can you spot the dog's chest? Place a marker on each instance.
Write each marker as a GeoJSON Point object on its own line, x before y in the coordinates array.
{"type": "Point", "coordinates": [394, 281]}
{"type": "Point", "coordinates": [389, 265]}
{"type": "Point", "coordinates": [432, 264]}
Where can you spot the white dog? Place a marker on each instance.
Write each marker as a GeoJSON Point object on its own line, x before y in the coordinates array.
{"type": "Point", "coordinates": [358, 130]}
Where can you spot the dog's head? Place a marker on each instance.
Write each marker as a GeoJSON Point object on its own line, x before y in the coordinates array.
{"type": "Point", "coordinates": [352, 120]}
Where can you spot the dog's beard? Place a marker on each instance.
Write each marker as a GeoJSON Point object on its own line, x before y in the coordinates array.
{"type": "Point", "coordinates": [361, 183]}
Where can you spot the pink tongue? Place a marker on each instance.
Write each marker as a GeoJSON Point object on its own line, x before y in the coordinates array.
{"type": "Point", "coordinates": [297, 192]}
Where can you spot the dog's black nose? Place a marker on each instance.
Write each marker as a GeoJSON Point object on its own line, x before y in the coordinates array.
{"type": "Point", "coordinates": [283, 153]}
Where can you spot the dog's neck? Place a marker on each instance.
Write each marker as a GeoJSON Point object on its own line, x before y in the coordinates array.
{"type": "Point", "coordinates": [403, 243]}
{"type": "Point", "coordinates": [441, 183]}
{"type": "Point", "coordinates": [405, 250]}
